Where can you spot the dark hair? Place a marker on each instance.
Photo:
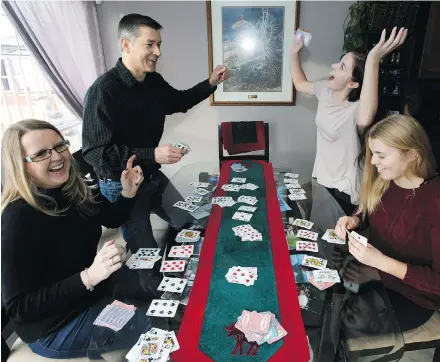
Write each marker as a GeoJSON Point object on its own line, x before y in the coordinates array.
{"type": "Point", "coordinates": [130, 24]}
{"type": "Point", "coordinates": [357, 75]}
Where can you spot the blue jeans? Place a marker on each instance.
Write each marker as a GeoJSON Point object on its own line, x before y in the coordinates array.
{"type": "Point", "coordinates": [80, 338]}
{"type": "Point", "coordinates": [137, 231]}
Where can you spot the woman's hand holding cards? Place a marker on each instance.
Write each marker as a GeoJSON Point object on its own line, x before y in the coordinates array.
{"type": "Point", "coordinates": [344, 223]}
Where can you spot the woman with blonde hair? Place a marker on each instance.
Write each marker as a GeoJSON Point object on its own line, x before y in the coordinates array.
{"type": "Point", "coordinates": [52, 276]}
{"type": "Point", "coordinates": [400, 203]}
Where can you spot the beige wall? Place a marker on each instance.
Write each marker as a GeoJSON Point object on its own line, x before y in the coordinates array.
{"type": "Point", "coordinates": [184, 62]}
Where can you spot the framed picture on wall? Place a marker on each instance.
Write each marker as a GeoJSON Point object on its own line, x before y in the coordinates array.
{"type": "Point", "coordinates": [253, 40]}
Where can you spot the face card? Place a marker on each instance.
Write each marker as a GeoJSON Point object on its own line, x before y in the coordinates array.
{"type": "Point", "coordinates": [303, 223]}
{"type": "Point", "coordinates": [173, 266]}
{"type": "Point", "coordinates": [307, 246]}
{"type": "Point", "coordinates": [307, 234]}
{"type": "Point", "coordinates": [175, 285]}
{"type": "Point", "coordinates": [163, 308]}
{"type": "Point", "coordinates": [188, 236]}
{"type": "Point", "coordinates": [314, 262]}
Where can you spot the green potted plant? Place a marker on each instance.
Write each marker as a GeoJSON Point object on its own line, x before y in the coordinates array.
{"type": "Point", "coordinates": [354, 25]}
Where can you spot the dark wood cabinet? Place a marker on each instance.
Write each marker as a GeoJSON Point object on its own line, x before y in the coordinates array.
{"type": "Point", "coordinates": [430, 62]}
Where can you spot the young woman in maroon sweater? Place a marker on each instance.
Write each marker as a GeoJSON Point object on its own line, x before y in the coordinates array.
{"type": "Point", "coordinates": [400, 201]}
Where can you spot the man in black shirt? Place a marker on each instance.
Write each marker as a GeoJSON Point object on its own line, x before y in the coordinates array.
{"type": "Point", "coordinates": [124, 114]}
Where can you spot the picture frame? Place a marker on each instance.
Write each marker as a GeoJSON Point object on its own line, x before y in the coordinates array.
{"type": "Point", "coordinates": [253, 40]}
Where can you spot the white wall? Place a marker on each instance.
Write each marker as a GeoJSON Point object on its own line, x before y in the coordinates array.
{"type": "Point", "coordinates": [184, 62]}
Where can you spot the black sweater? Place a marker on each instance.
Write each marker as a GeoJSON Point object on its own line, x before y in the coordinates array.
{"type": "Point", "coordinates": [124, 117]}
{"type": "Point", "coordinates": [42, 258]}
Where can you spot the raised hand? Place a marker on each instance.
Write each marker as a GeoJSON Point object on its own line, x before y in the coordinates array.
{"type": "Point", "coordinates": [220, 74]}
{"type": "Point", "coordinates": [131, 178]}
{"type": "Point", "coordinates": [386, 46]}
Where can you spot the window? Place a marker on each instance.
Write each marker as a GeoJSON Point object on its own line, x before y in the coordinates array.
{"type": "Point", "coordinates": [25, 92]}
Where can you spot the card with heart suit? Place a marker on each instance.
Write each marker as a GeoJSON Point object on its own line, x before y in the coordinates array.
{"type": "Point", "coordinates": [303, 223]}
{"type": "Point", "coordinates": [314, 262]}
{"type": "Point", "coordinates": [181, 251]}
{"type": "Point", "coordinates": [307, 246]}
{"type": "Point", "coordinates": [307, 234]}
{"type": "Point", "coordinates": [175, 285]}
{"type": "Point", "coordinates": [242, 216]}
{"type": "Point", "coordinates": [163, 308]}
{"type": "Point", "coordinates": [242, 275]}
{"type": "Point", "coordinates": [361, 239]}
{"type": "Point", "coordinates": [320, 285]}
{"type": "Point", "coordinates": [173, 266]}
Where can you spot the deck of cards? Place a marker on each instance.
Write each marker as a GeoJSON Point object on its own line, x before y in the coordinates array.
{"type": "Point", "coordinates": [260, 327]}
{"type": "Point", "coordinates": [247, 208]}
{"type": "Point", "coordinates": [188, 236]}
{"type": "Point", "coordinates": [247, 233]}
{"type": "Point", "coordinates": [192, 199]}
{"type": "Point", "coordinates": [182, 146]}
{"type": "Point", "coordinates": [242, 275]}
{"type": "Point", "coordinates": [331, 237]}
{"type": "Point", "coordinates": [239, 180]}
{"type": "Point", "coordinates": [115, 315]}
{"type": "Point", "coordinates": [238, 167]}
{"type": "Point", "coordinates": [155, 346]}
{"type": "Point", "coordinates": [296, 197]}
{"type": "Point", "coordinates": [145, 258]}
{"type": "Point", "coordinates": [225, 201]}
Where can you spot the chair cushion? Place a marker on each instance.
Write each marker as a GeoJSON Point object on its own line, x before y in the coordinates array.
{"type": "Point", "coordinates": [20, 352]}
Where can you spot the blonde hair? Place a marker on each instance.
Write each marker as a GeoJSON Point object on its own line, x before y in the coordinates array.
{"type": "Point", "coordinates": [18, 184]}
{"type": "Point", "coordinates": [405, 134]}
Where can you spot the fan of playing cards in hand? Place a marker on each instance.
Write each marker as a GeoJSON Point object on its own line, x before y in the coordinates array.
{"type": "Point", "coordinates": [153, 346]}
{"type": "Point", "coordinates": [144, 258]}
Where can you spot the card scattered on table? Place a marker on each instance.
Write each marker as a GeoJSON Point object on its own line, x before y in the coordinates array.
{"type": "Point", "coordinates": [296, 191]}
{"type": "Point", "coordinates": [223, 201]}
{"type": "Point", "coordinates": [115, 315]}
{"type": "Point", "coordinates": [291, 175]}
{"type": "Point", "coordinates": [303, 223]}
{"type": "Point", "coordinates": [201, 192]}
{"type": "Point", "coordinates": [251, 200]}
{"type": "Point", "coordinates": [314, 262]}
{"type": "Point", "coordinates": [307, 246]}
{"type": "Point", "coordinates": [326, 276]}
{"type": "Point", "coordinates": [307, 234]}
{"type": "Point", "coordinates": [239, 180]}
{"type": "Point", "coordinates": [238, 167]}
{"type": "Point", "coordinates": [175, 285]}
{"type": "Point", "coordinates": [247, 233]}
{"type": "Point", "coordinates": [191, 199]}
{"type": "Point", "coordinates": [163, 308]}
{"type": "Point", "coordinates": [331, 237]}
{"type": "Point", "coordinates": [242, 216]}
{"type": "Point", "coordinates": [199, 184]}
{"type": "Point", "coordinates": [231, 187]}
{"type": "Point", "coordinates": [247, 208]}
{"type": "Point", "coordinates": [188, 236]}
{"type": "Point", "coordinates": [242, 275]}
{"type": "Point", "coordinates": [181, 251]}
{"type": "Point", "coordinates": [249, 186]}
{"type": "Point", "coordinates": [173, 266]}
{"type": "Point", "coordinates": [260, 327]}
{"type": "Point", "coordinates": [187, 206]}
{"type": "Point", "coordinates": [296, 197]}
{"type": "Point", "coordinates": [292, 181]}
{"type": "Point", "coordinates": [320, 285]}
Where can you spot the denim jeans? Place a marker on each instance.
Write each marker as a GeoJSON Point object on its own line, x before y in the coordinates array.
{"type": "Point", "coordinates": [137, 231]}
{"type": "Point", "coordinates": [80, 338]}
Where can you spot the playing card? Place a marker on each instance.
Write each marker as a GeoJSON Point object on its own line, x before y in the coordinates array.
{"type": "Point", "coordinates": [307, 246]}
{"type": "Point", "coordinates": [296, 197]}
{"type": "Point", "coordinates": [331, 237]}
{"type": "Point", "coordinates": [191, 199]}
{"type": "Point", "coordinates": [320, 285]}
{"type": "Point", "coordinates": [294, 191]}
{"type": "Point", "coordinates": [327, 275]}
{"type": "Point", "coordinates": [114, 316]}
{"type": "Point", "coordinates": [163, 308]}
{"type": "Point", "coordinates": [292, 181]}
{"type": "Point", "coordinates": [242, 216]}
{"type": "Point", "coordinates": [151, 347]}
{"type": "Point", "coordinates": [142, 252]}
{"type": "Point", "coordinates": [190, 272]}
{"type": "Point", "coordinates": [291, 175]}
{"type": "Point", "coordinates": [143, 262]}
{"type": "Point", "coordinates": [247, 208]}
{"type": "Point", "coordinates": [182, 146]}
{"type": "Point", "coordinates": [239, 180]}
{"type": "Point", "coordinates": [303, 223]}
{"type": "Point", "coordinates": [201, 192]}
{"type": "Point", "coordinates": [223, 201]}
{"type": "Point", "coordinates": [231, 187]}
{"type": "Point", "coordinates": [314, 262]}
{"type": "Point", "coordinates": [181, 251]}
{"type": "Point", "coordinates": [307, 37]}
{"type": "Point", "coordinates": [253, 322]}
{"type": "Point", "coordinates": [173, 266]}
{"type": "Point", "coordinates": [251, 200]}
{"type": "Point", "coordinates": [199, 184]}
{"type": "Point", "coordinates": [186, 205]}
{"type": "Point", "coordinates": [307, 234]}
{"type": "Point", "coordinates": [361, 239]}
{"type": "Point", "coordinates": [175, 285]}
{"type": "Point", "coordinates": [188, 236]}
{"type": "Point", "coordinates": [241, 275]}
{"type": "Point", "coordinates": [169, 340]}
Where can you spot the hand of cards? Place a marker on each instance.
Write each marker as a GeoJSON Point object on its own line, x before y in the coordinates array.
{"type": "Point", "coordinates": [242, 275]}
{"type": "Point", "coordinates": [260, 327]}
{"type": "Point", "coordinates": [153, 346]}
{"type": "Point", "coordinates": [115, 316]}
{"type": "Point", "coordinates": [361, 239]}
{"type": "Point", "coordinates": [182, 146]}
{"type": "Point", "coordinates": [247, 233]}
{"type": "Point", "coordinates": [145, 258]}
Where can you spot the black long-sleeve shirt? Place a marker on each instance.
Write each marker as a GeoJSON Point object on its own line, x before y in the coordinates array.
{"type": "Point", "coordinates": [42, 258]}
{"type": "Point", "coordinates": [123, 116]}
